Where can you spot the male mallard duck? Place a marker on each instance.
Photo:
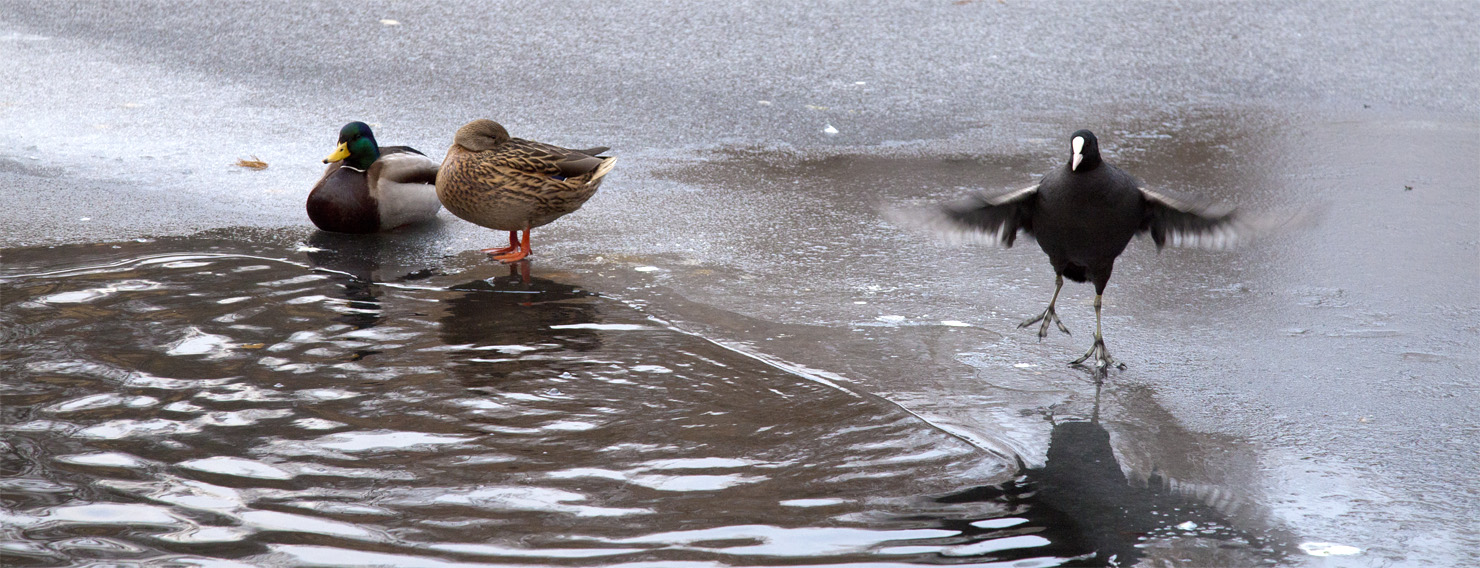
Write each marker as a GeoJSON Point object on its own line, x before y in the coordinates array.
{"type": "Point", "coordinates": [511, 184]}
{"type": "Point", "coordinates": [368, 188]}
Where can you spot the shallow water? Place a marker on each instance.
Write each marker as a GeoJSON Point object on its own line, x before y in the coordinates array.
{"type": "Point", "coordinates": [209, 402]}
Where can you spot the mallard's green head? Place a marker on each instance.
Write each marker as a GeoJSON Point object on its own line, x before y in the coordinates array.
{"type": "Point", "coordinates": [357, 146]}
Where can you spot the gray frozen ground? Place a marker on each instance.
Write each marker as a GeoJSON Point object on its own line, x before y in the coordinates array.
{"type": "Point", "coordinates": [1324, 376]}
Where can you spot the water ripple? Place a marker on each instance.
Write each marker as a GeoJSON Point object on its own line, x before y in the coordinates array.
{"type": "Point", "coordinates": [254, 411]}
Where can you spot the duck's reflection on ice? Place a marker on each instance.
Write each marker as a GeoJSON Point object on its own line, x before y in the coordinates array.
{"type": "Point", "coordinates": [518, 309]}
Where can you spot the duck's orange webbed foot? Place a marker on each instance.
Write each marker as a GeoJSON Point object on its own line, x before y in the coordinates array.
{"type": "Point", "coordinates": [512, 257]}
{"type": "Point", "coordinates": [513, 245]}
{"type": "Point", "coordinates": [520, 249]}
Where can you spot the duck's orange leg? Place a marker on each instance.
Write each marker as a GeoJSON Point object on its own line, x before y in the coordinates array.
{"type": "Point", "coordinates": [513, 245]}
{"type": "Point", "coordinates": [521, 251]}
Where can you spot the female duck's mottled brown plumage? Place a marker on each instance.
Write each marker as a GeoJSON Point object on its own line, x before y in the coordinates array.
{"type": "Point", "coordinates": [512, 184]}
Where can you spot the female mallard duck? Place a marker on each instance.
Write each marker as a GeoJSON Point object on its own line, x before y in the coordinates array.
{"type": "Point", "coordinates": [511, 184]}
{"type": "Point", "coordinates": [368, 188]}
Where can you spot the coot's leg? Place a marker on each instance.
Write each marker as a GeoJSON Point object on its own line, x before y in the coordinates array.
{"type": "Point", "coordinates": [1049, 315]}
{"type": "Point", "coordinates": [1098, 352]}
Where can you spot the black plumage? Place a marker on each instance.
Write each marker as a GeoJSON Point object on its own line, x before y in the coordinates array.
{"type": "Point", "coordinates": [1082, 215]}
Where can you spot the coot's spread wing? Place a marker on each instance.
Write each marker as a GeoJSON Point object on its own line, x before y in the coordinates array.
{"type": "Point", "coordinates": [986, 218]}
{"type": "Point", "coordinates": [1189, 222]}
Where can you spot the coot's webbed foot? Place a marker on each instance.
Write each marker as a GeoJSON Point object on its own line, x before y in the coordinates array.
{"type": "Point", "coordinates": [1100, 356]}
{"type": "Point", "coordinates": [1049, 315]}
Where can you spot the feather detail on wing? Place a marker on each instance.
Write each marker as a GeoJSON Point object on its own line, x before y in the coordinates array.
{"type": "Point", "coordinates": [537, 157]}
{"type": "Point", "coordinates": [982, 218]}
{"type": "Point", "coordinates": [405, 165]}
{"type": "Point", "coordinates": [1182, 221]}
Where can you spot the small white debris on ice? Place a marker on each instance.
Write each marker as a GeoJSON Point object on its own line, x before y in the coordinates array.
{"type": "Point", "coordinates": [389, 23]}
{"type": "Point", "coordinates": [1328, 549]}
{"type": "Point", "coordinates": [1188, 526]}
{"type": "Point", "coordinates": [647, 269]}
{"type": "Point", "coordinates": [829, 130]}
{"type": "Point", "coordinates": [763, 103]}
{"type": "Point", "coordinates": [954, 323]}
{"type": "Point", "coordinates": [306, 248]}
{"type": "Point", "coordinates": [1025, 365]}
{"type": "Point", "coordinates": [891, 319]}
{"type": "Point", "coordinates": [860, 302]}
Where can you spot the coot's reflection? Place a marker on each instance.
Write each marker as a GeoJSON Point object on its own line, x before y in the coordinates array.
{"type": "Point", "coordinates": [1086, 508]}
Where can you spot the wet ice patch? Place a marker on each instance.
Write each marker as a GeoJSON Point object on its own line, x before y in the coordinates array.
{"type": "Point", "coordinates": [318, 395]}
{"type": "Point", "coordinates": [207, 535]}
{"type": "Point", "coordinates": [784, 542]}
{"type": "Point", "coordinates": [114, 514]}
{"type": "Point", "coordinates": [661, 482]}
{"type": "Point", "coordinates": [289, 522]}
{"type": "Point", "coordinates": [999, 523]}
{"type": "Point", "coordinates": [699, 463]}
{"type": "Point", "coordinates": [185, 264]}
{"type": "Point", "coordinates": [1328, 549]}
{"type": "Point", "coordinates": [155, 428]}
{"type": "Point", "coordinates": [340, 508]}
{"type": "Point", "coordinates": [604, 326]}
{"type": "Point", "coordinates": [295, 280]}
{"type": "Point", "coordinates": [382, 440]}
{"type": "Point", "coordinates": [237, 467]}
{"type": "Point", "coordinates": [317, 424]}
{"type": "Point", "coordinates": [812, 502]}
{"type": "Point", "coordinates": [507, 498]}
{"type": "Point", "coordinates": [91, 294]}
{"type": "Point", "coordinates": [996, 545]}
{"type": "Point", "coordinates": [507, 349]}
{"type": "Point", "coordinates": [308, 299]}
{"type": "Point", "coordinates": [78, 297]}
{"type": "Point", "coordinates": [492, 550]}
{"type": "Point", "coordinates": [569, 426]}
{"type": "Point", "coordinates": [197, 342]}
{"type": "Point", "coordinates": [104, 400]}
{"type": "Point", "coordinates": [104, 459]}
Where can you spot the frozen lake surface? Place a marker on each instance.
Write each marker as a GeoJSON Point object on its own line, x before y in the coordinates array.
{"type": "Point", "coordinates": [727, 356]}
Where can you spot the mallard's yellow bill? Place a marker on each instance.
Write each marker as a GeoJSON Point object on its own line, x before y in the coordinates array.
{"type": "Point", "coordinates": [340, 153]}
